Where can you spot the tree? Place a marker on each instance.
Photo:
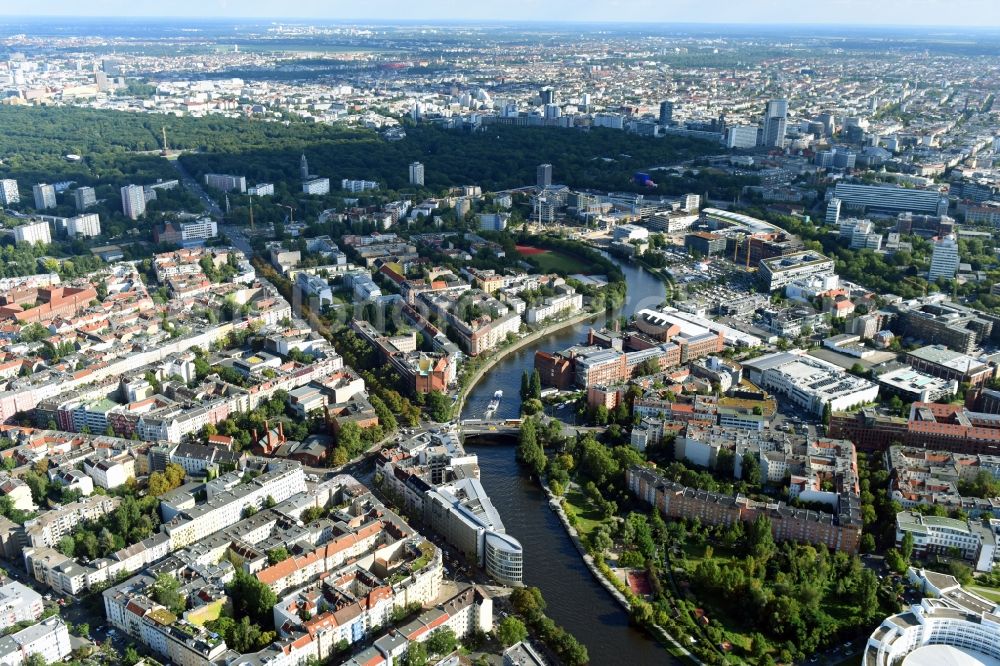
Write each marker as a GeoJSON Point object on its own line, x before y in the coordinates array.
{"type": "Point", "coordinates": [597, 463]}
{"type": "Point", "coordinates": [906, 546]}
{"type": "Point", "coordinates": [201, 368]}
{"type": "Point", "coordinates": [416, 655]}
{"type": "Point", "coordinates": [758, 645]}
{"type": "Point", "coordinates": [86, 545]}
{"type": "Point", "coordinates": [895, 561]}
{"type": "Point", "coordinates": [106, 542]}
{"type": "Point", "coordinates": [349, 439]}
{"type": "Point", "coordinates": [529, 451]}
{"type": "Point", "coordinates": [536, 384]}
{"type": "Point", "coordinates": [165, 481]}
{"type": "Point", "coordinates": [166, 592]}
{"type": "Point", "coordinates": [960, 571]}
{"type": "Point", "coordinates": [760, 539]}
{"type": "Point", "coordinates": [252, 598]}
{"type": "Point", "coordinates": [511, 630]}
{"type": "Point", "coordinates": [642, 613]}
{"type": "Point", "coordinates": [600, 539]}
{"type": "Point", "coordinates": [157, 484]}
{"type": "Point", "coordinates": [245, 636]}
{"type": "Point", "coordinates": [650, 366]}
{"type": "Point", "coordinates": [385, 416]}
{"type": "Point", "coordinates": [131, 657]}
{"type": "Point", "coordinates": [982, 485]}
{"type": "Point", "coordinates": [442, 642]}
{"type": "Point", "coordinates": [750, 469]}
{"type": "Point", "coordinates": [439, 406]}
{"type": "Point", "coordinates": [67, 546]}
{"type": "Point", "coordinates": [39, 486]}
{"type": "Point", "coordinates": [725, 462]}
{"type": "Point", "coordinates": [527, 601]}
{"type": "Point", "coordinates": [279, 554]}
{"type": "Point", "coordinates": [35, 659]}
{"type": "Point", "coordinates": [34, 332]}
{"type": "Point", "coordinates": [339, 457]}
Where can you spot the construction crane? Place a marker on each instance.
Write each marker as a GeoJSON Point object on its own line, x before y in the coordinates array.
{"type": "Point", "coordinates": [291, 212]}
{"type": "Point", "coordinates": [918, 285]}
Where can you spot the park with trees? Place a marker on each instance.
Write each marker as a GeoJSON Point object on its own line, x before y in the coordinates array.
{"type": "Point", "coordinates": [739, 595]}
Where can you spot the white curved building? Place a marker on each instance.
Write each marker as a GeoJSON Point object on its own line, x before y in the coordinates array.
{"type": "Point", "coordinates": [957, 628]}
{"type": "Point", "coordinates": [504, 558]}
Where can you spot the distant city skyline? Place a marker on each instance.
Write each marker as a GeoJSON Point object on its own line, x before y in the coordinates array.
{"type": "Point", "coordinates": [929, 13]}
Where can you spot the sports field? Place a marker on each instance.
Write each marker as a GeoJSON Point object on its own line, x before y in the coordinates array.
{"type": "Point", "coordinates": [551, 262]}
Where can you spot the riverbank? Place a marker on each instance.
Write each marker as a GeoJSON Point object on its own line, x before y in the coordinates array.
{"type": "Point", "coordinates": [506, 351]}
{"type": "Point", "coordinates": [576, 598]}
{"type": "Point", "coordinates": [676, 650]}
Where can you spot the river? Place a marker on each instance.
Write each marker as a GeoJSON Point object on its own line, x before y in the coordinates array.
{"type": "Point", "coordinates": [551, 562]}
{"type": "Point", "coordinates": [644, 291]}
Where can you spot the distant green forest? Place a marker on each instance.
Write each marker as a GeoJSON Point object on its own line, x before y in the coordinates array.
{"type": "Point", "coordinates": [495, 158]}
{"type": "Point", "coordinates": [35, 140]}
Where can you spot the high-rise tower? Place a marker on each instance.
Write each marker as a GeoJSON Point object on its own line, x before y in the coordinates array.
{"type": "Point", "coordinates": [775, 121]}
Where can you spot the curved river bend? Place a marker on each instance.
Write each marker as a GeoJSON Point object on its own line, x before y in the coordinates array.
{"type": "Point", "coordinates": [575, 600]}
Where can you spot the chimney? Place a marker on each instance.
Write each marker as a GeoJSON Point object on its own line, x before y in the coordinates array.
{"type": "Point", "coordinates": [281, 432]}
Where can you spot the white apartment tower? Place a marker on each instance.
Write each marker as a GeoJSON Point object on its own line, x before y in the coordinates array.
{"type": "Point", "coordinates": [944, 260]}
{"type": "Point", "coordinates": [45, 196]}
{"type": "Point", "coordinates": [84, 225]}
{"type": "Point", "coordinates": [416, 174]}
{"type": "Point", "coordinates": [543, 176]}
{"type": "Point", "coordinates": [833, 211]}
{"type": "Point", "coordinates": [741, 136]}
{"type": "Point", "coordinates": [33, 233]}
{"type": "Point", "coordinates": [226, 182]}
{"type": "Point", "coordinates": [133, 201]}
{"type": "Point", "coordinates": [9, 193]}
{"type": "Point", "coordinates": [84, 197]}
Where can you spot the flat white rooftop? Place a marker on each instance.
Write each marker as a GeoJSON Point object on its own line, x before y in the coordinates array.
{"type": "Point", "coordinates": [947, 655]}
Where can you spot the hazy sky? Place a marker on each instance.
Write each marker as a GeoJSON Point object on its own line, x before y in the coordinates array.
{"type": "Point", "coordinates": [881, 12]}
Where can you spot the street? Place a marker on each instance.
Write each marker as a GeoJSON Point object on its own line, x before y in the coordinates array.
{"type": "Point", "coordinates": [190, 183]}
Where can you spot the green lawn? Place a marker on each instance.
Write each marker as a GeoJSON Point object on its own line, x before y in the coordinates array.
{"type": "Point", "coordinates": [587, 517]}
{"type": "Point", "coordinates": [553, 262]}
{"type": "Point", "coordinates": [992, 594]}
{"type": "Point", "coordinates": [695, 554]}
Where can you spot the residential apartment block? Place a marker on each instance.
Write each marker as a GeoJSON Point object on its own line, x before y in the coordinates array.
{"type": "Point", "coordinates": [838, 532]}
{"type": "Point", "coordinates": [436, 478]}
{"type": "Point", "coordinates": [970, 539]}
{"type": "Point", "coordinates": [33, 233]}
{"type": "Point", "coordinates": [226, 182]}
{"type": "Point", "coordinates": [348, 571]}
{"type": "Point", "coordinates": [941, 426]}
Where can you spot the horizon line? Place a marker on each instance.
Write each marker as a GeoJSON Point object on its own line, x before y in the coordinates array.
{"type": "Point", "coordinates": [938, 27]}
